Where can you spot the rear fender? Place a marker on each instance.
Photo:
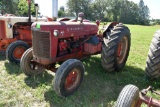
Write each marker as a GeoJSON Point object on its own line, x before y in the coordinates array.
{"type": "Point", "coordinates": [107, 29]}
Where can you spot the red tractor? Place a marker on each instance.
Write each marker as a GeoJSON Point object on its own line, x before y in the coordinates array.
{"type": "Point", "coordinates": [15, 34]}
{"type": "Point", "coordinates": [68, 41]}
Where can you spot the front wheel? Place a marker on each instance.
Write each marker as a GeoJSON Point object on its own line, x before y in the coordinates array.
{"type": "Point", "coordinates": [128, 97]}
{"type": "Point", "coordinates": [116, 47]}
{"type": "Point", "coordinates": [28, 66]}
{"type": "Point", "coordinates": [68, 77]}
{"type": "Point", "coordinates": [15, 51]}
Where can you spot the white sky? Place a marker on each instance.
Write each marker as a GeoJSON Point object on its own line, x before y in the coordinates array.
{"type": "Point", "coordinates": [46, 7]}
{"type": "Point", "coordinates": [154, 7]}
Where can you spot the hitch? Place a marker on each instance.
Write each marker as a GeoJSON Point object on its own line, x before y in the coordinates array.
{"type": "Point", "coordinates": [148, 100]}
{"type": "Point", "coordinates": [150, 88]}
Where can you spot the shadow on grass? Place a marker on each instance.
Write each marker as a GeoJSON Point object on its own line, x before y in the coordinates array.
{"type": "Point", "coordinates": [38, 80]}
{"type": "Point", "coordinates": [99, 87]}
{"type": "Point", "coordinates": [2, 56]}
{"type": "Point", "coordinates": [12, 68]}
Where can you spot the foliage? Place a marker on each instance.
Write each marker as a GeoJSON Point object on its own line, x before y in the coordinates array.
{"type": "Point", "coordinates": [76, 6]}
{"type": "Point", "coordinates": [17, 7]}
{"type": "Point", "coordinates": [61, 13]}
{"type": "Point", "coordinates": [111, 10]}
{"type": "Point", "coordinates": [155, 22]}
{"type": "Point", "coordinates": [143, 13]}
{"type": "Point", "coordinates": [23, 7]}
{"type": "Point", "coordinates": [99, 9]}
{"type": "Point", "coordinates": [9, 6]}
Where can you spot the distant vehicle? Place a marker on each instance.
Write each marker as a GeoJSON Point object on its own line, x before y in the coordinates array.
{"type": "Point", "coordinates": [15, 35]}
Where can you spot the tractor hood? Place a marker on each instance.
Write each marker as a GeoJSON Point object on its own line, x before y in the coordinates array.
{"type": "Point", "coordinates": [13, 20]}
{"type": "Point", "coordinates": [7, 23]}
{"type": "Point", "coordinates": [67, 28]}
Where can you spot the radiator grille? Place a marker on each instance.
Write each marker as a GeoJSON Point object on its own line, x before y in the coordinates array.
{"type": "Point", "coordinates": [2, 29]}
{"type": "Point", "coordinates": [41, 43]}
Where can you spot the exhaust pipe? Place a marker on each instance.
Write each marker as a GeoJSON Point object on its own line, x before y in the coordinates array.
{"type": "Point", "coordinates": [29, 10]}
{"type": "Point", "coordinates": [54, 9]}
{"type": "Point", "coordinates": [36, 6]}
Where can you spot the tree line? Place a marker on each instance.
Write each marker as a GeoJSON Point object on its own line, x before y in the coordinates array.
{"type": "Point", "coordinates": [110, 10]}
{"type": "Point", "coordinates": [105, 10]}
{"type": "Point", "coordinates": [16, 7]}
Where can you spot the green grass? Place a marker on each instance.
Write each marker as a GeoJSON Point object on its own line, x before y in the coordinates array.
{"type": "Point", "coordinates": [99, 89]}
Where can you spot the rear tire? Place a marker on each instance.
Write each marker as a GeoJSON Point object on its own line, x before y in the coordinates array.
{"type": "Point", "coordinates": [115, 49]}
{"type": "Point", "coordinates": [15, 51]}
{"type": "Point", "coordinates": [152, 70]}
{"type": "Point", "coordinates": [69, 77]}
{"type": "Point", "coordinates": [128, 97]}
{"type": "Point", "coordinates": [28, 66]}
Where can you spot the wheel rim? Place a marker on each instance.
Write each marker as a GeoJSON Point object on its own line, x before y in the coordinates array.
{"type": "Point", "coordinates": [134, 103]}
{"type": "Point", "coordinates": [18, 52]}
{"type": "Point", "coordinates": [34, 65]}
{"type": "Point", "coordinates": [122, 49]}
{"type": "Point", "coordinates": [72, 79]}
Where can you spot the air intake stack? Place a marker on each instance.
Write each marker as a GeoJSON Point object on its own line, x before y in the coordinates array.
{"type": "Point", "coordinates": [54, 9]}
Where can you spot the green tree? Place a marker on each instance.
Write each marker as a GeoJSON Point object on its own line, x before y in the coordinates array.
{"type": "Point", "coordinates": [143, 13]}
{"type": "Point", "coordinates": [61, 13]}
{"type": "Point", "coordinates": [99, 9]}
{"type": "Point", "coordinates": [128, 12]}
{"type": "Point", "coordinates": [9, 6]}
{"type": "Point", "coordinates": [76, 6]}
{"type": "Point", "coordinates": [23, 7]}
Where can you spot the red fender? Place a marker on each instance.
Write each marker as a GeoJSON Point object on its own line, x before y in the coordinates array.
{"type": "Point", "coordinates": [109, 26]}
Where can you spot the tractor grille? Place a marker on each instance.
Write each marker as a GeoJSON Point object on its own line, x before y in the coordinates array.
{"type": "Point", "coordinates": [2, 27]}
{"type": "Point", "coordinates": [41, 44]}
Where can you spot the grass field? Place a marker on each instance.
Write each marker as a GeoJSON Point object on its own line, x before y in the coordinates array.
{"type": "Point", "coordinates": [99, 89]}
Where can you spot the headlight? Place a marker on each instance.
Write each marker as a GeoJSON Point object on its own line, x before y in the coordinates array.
{"type": "Point", "coordinates": [56, 33]}
{"type": "Point", "coordinates": [9, 25]}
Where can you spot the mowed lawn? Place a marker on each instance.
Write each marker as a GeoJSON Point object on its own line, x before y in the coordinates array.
{"type": "Point", "coordinates": [99, 88]}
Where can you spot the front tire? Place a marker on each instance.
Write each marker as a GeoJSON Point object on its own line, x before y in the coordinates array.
{"type": "Point", "coordinates": [68, 77]}
{"type": "Point", "coordinates": [115, 49]}
{"type": "Point", "coordinates": [15, 51]}
{"type": "Point", "coordinates": [28, 66]}
{"type": "Point", "coordinates": [152, 70]}
{"type": "Point", "coordinates": [128, 97]}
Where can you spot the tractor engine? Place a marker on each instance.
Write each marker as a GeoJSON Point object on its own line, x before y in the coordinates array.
{"type": "Point", "coordinates": [68, 46]}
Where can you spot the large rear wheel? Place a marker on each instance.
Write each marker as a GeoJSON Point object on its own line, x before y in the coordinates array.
{"type": "Point", "coordinates": [128, 97]}
{"type": "Point", "coordinates": [15, 51]}
{"type": "Point", "coordinates": [68, 77]}
{"type": "Point", "coordinates": [29, 66]}
{"type": "Point", "coordinates": [152, 70]}
{"type": "Point", "coordinates": [116, 47]}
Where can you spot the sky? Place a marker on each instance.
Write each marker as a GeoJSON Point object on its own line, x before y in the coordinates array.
{"type": "Point", "coordinates": [154, 7]}
{"type": "Point", "coordinates": [46, 7]}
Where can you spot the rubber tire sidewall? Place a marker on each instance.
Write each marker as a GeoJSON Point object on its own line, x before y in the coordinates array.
{"type": "Point", "coordinates": [11, 47]}
{"type": "Point", "coordinates": [110, 48]}
{"type": "Point", "coordinates": [61, 74]}
{"type": "Point", "coordinates": [127, 96]}
{"type": "Point", "coordinates": [25, 64]}
{"type": "Point", "coordinates": [152, 69]}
